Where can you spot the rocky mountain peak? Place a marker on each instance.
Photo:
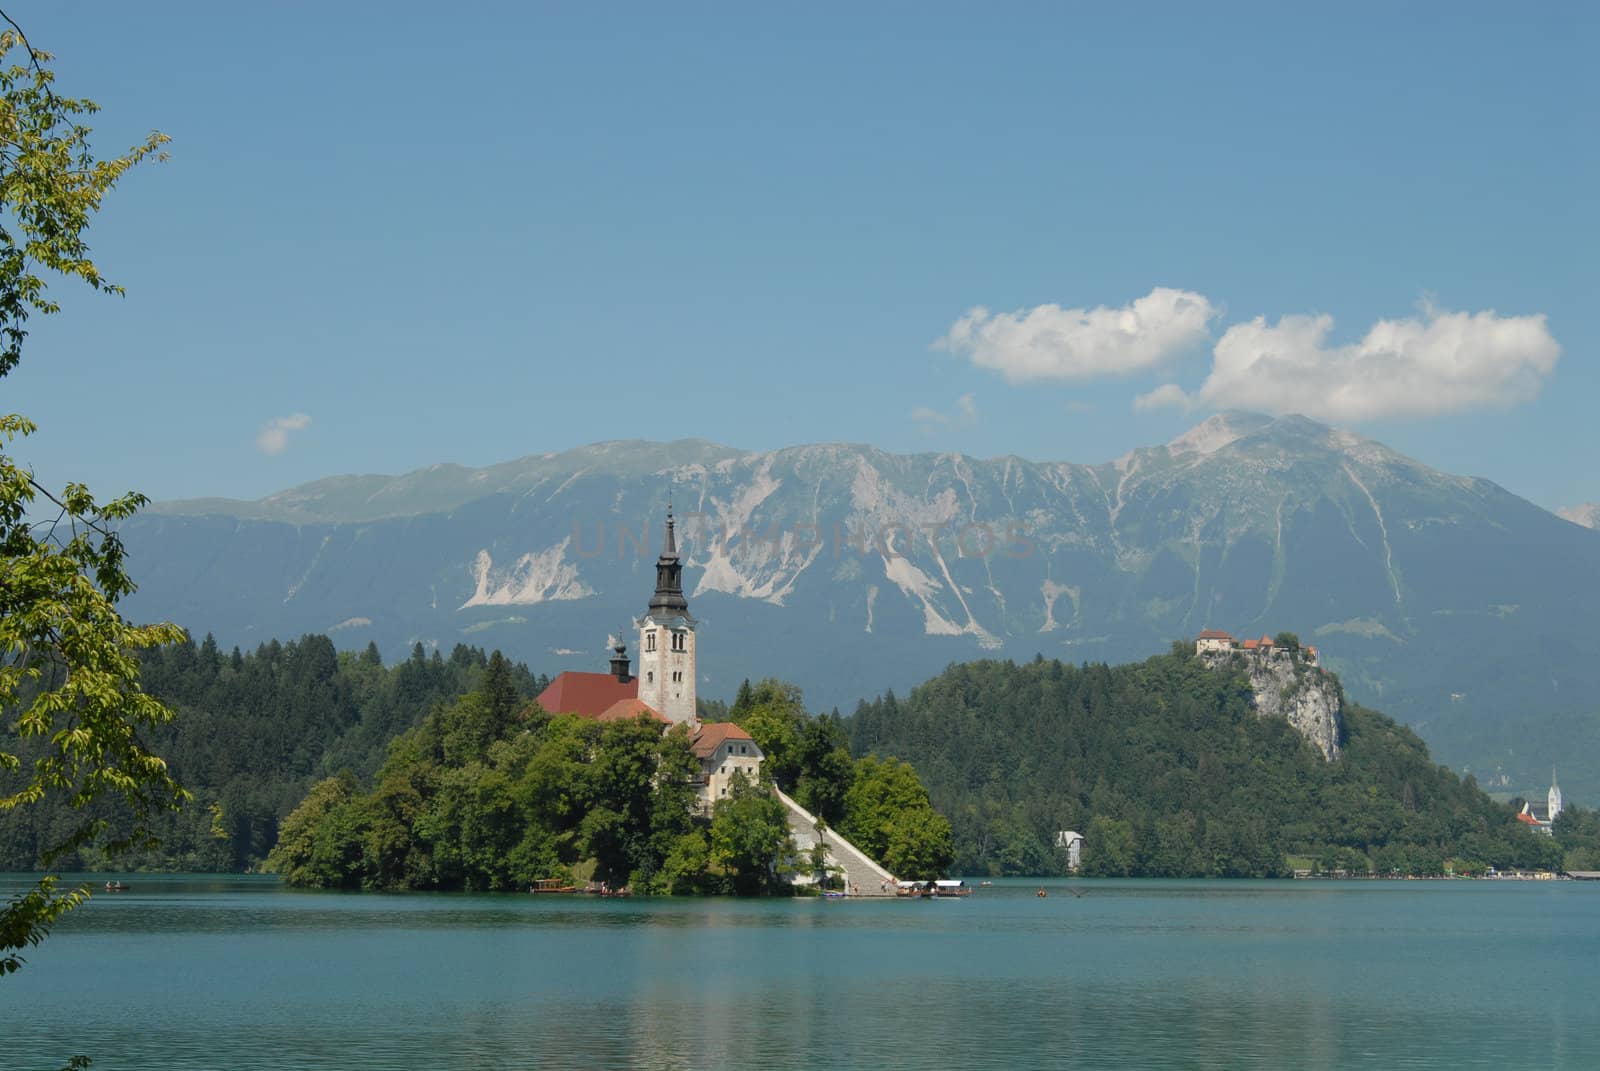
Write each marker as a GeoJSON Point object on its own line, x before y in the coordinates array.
{"type": "Point", "coordinates": [1586, 514]}
{"type": "Point", "coordinates": [1216, 432]}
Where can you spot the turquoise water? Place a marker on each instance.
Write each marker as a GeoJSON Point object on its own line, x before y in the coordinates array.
{"type": "Point", "coordinates": [197, 972]}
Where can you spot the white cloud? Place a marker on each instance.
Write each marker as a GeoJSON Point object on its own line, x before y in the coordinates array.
{"type": "Point", "coordinates": [966, 413]}
{"type": "Point", "coordinates": [1169, 394]}
{"type": "Point", "coordinates": [1438, 362]}
{"type": "Point", "coordinates": [1049, 342]}
{"type": "Point", "coordinates": [274, 435]}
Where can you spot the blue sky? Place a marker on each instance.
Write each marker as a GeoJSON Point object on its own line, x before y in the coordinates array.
{"type": "Point", "coordinates": [412, 234]}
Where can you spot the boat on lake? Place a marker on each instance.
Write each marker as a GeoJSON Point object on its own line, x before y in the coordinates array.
{"type": "Point", "coordinates": [551, 885]}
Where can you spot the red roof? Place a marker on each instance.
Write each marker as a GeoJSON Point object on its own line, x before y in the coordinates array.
{"type": "Point", "coordinates": [623, 709]}
{"type": "Point", "coordinates": [712, 734]}
{"type": "Point", "coordinates": [590, 694]}
{"type": "Point", "coordinates": [1251, 645]}
{"type": "Point", "coordinates": [1215, 634]}
{"type": "Point", "coordinates": [1527, 819]}
{"type": "Point", "coordinates": [1266, 641]}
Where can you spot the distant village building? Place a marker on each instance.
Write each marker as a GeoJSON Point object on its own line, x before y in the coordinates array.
{"type": "Point", "coordinates": [665, 687]}
{"type": "Point", "coordinates": [1542, 816]}
{"type": "Point", "coordinates": [1073, 843]}
{"type": "Point", "coordinates": [1214, 640]}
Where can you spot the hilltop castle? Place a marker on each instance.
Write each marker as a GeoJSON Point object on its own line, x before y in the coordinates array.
{"type": "Point", "coordinates": [1287, 682]}
{"type": "Point", "coordinates": [664, 688]}
{"type": "Point", "coordinates": [1215, 641]}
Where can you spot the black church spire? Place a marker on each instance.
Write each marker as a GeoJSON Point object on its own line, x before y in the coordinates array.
{"type": "Point", "coordinates": [668, 601]}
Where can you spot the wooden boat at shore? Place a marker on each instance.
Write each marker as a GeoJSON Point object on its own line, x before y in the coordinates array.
{"type": "Point", "coordinates": [551, 885]}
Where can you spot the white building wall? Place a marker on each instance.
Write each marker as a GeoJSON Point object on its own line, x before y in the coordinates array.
{"type": "Point", "coordinates": [666, 676]}
{"type": "Point", "coordinates": [719, 768]}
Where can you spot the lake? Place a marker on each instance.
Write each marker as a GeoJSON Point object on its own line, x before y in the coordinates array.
{"type": "Point", "coordinates": [237, 972]}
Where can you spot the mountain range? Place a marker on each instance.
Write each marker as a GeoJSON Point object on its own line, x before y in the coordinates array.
{"type": "Point", "coordinates": [1447, 601]}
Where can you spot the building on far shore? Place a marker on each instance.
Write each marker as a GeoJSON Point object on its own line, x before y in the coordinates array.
{"type": "Point", "coordinates": [665, 687]}
{"type": "Point", "coordinates": [1073, 843]}
{"type": "Point", "coordinates": [1542, 816]}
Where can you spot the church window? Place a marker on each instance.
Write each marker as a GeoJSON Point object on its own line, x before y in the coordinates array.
{"type": "Point", "coordinates": [650, 677]}
{"type": "Point", "coordinates": [650, 640]}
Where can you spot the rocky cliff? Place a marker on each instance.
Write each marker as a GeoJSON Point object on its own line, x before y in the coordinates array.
{"type": "Point", "coordinates": [1288, 684]}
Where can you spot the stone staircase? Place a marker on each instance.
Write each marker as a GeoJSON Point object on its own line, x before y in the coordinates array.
{"type": "Point", "coordinates": [862, 876]}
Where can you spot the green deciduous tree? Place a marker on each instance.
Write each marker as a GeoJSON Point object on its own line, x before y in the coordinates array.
{"type": "Point", "coordinates": [774, 715]}
{"type": "Point", "coordinates": [888, 816]}
{"type": "Point", "coordinates": [70, 694]}
{"type": "Point", "coordinates": [750, 838]}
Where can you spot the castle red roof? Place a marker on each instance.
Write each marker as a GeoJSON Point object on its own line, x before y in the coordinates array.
{"type": "Point", "coordinates": [589, 694]}
{"type": "Point", "coordinates": [1215, 634]}
{"type": "Point", "coordinates": [712, 735]}
{"type": "Point", "coordinates": [1251, 645]}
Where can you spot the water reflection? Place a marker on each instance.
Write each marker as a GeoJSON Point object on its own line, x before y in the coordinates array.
{"type": "Point", "coordinates": [183, 974]}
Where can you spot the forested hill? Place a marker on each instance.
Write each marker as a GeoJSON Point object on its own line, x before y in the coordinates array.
{"type": "Point", "coordinates": [254, 731]}
{"type": "Point", "coordinates": [1167, 769]}
{"type": "Point", "coordinates": [1163, 764]}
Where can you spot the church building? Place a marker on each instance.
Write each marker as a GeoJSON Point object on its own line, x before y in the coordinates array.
{"type": "Point", "coordinates": [666, 640]}
{"type": "Point", "coordinates": [1543, 816]}
{"type": "Point", "coordinates": [665, 685]}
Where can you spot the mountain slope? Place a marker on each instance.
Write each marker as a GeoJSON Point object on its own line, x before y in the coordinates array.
{"type": "Point", "coordinates": [1459, 607]}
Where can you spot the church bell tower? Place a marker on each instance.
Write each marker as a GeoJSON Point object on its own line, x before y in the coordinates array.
{"type": "Point", "coordinates": [666, 640]}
